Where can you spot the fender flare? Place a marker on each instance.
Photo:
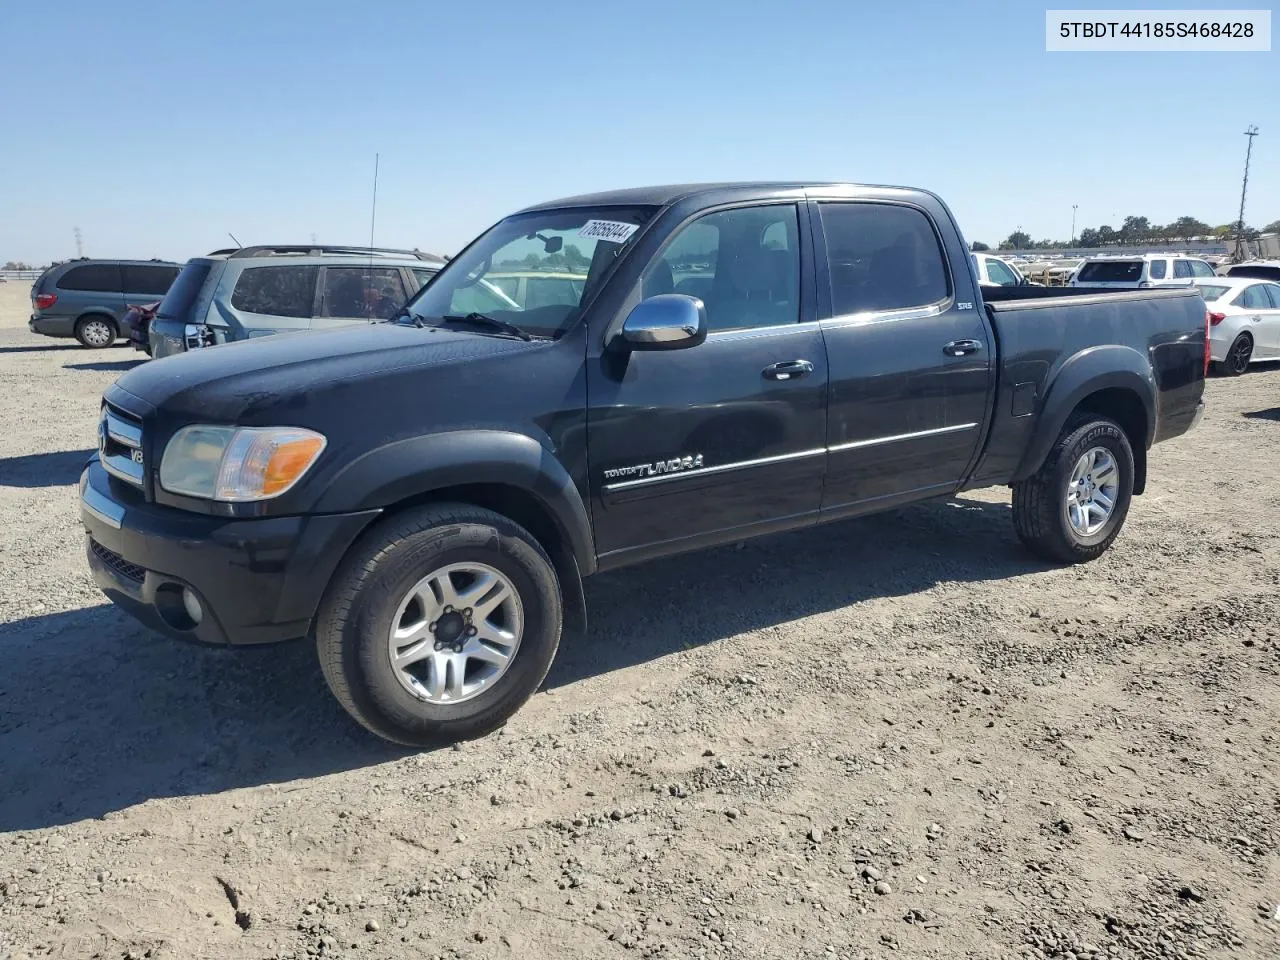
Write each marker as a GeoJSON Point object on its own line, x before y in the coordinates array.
{"type": "Point", "coordinates": [1085, 373]}
{"type": "Point", "coordinates": [415, 466]}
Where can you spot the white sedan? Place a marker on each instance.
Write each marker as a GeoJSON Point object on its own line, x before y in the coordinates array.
{"type": "Point", "coordinates": [1244, 321]}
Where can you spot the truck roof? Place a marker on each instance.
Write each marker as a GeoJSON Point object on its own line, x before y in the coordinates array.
{"type": "Point", "coordinates": [665, 194]}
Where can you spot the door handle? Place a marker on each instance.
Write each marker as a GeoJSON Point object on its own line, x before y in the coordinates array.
{"type": "Point", "coordinates": [961, 348]}
{"type": "Point", "coordinates": [787, 370]}
{"type": "Point", "coordinates": [1256, 319]}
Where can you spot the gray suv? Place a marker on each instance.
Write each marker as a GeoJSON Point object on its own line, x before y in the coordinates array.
{"type": "Point", "coordinates": [233, 295]}
{"type": "Point", "coordinates": [86, 299]}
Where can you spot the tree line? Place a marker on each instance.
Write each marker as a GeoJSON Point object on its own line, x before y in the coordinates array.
{"type": "Point", "coordinates": [1134, 230]}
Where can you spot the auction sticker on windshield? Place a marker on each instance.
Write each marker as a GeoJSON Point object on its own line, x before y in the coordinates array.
{"type": "Point", "coordinates": [612, 230]}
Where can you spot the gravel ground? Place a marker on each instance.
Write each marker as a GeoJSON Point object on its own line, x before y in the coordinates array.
{"type": "Point", "coordinates": [900, 737]}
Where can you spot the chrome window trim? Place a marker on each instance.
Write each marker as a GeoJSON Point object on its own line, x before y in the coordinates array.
{"type": "Point", "coordinates": [719, 468]}
{"type": "Point", "coordinates": [773, 330]}
{"type": "Point", "coordinates": [868, 317]}
{"type": "Point", "coordinates": [916, 435]}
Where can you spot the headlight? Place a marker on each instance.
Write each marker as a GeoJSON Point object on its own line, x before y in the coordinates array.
{"type": "Point", "coordinates": [236, 464]}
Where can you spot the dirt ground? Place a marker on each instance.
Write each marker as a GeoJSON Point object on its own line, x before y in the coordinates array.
{"type": "Point", "coordinates": [893, 738]}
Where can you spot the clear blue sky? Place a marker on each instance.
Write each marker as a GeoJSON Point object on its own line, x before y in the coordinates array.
{"type": "Point", "coordinates": [158, 127]}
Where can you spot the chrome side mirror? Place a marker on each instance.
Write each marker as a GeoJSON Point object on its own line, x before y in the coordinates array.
{"type": "Point", "coordinates": [668, 321]}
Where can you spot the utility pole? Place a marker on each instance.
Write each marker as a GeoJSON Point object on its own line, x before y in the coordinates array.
{"type": "Point", "coordinates": [1244, 186]}
{"type": "Point", "coordinates": [79, 243]}
{"type": "Point", "coordinates": [1073, 223]}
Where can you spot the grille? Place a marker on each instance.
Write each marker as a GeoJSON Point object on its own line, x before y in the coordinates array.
{"type": "Point", "coordinates": [120, 446]}
{"type": "Point", "coordinates": [119, 564]}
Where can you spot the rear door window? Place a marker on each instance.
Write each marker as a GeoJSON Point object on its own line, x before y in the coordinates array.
{"type": "Point", "coordinates": [1111, 271]}
{"type": "Point", "coordinates": [372, 293]}
{"type": "Point", "coordinates": [1158, 269]}
{"type": "Point", "coordinates": [1182, 269]}
{"type": "Point", "coordinates": [148, 279]}
{"type": "Point", "coordinates": [882, 257]}
{"type": "Point", "coordinates": [1254, 298]}
{"type": "Point", "coordinates": [277, 291]}
{"type": "Point", "coordinates": [96, 277]}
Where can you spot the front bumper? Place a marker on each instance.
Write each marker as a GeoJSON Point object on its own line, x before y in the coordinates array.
{"type": "Point", "coordinates": [52, 326]}
{"type": "Point", "coordinates": [253, 581]}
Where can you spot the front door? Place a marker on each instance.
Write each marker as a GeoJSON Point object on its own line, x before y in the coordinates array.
{"type": "Point", "coordinates": [725, 439]}
{"type": "Point", "coordinates": [909, 352]}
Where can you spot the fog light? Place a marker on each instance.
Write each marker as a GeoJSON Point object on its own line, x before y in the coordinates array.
{"type": "Point", "coordinates": [191, 603]}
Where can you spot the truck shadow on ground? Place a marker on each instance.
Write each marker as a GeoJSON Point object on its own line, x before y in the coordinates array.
{"type": "Point", "coordinates": [42, 348]}
{"type": "Point", "coordinates": [98, 714]}
{"type": "Point", "coordinates": [1271, 413]}
{"type": "Point", "coordinates": [43, 469]}
{"type": "Point", "coordinates": [106, 366]}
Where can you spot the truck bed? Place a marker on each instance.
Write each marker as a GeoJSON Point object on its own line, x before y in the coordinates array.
{"type": "Point", "coordinates": [1051, 338]}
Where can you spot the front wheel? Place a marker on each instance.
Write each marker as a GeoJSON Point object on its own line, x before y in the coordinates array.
{"type": "Point", "coordinates": [1074, 506]}
{"type": "Point", "coordinates": [439, 625]}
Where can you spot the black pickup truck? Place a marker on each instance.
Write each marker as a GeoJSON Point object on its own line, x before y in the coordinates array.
{"type": "Point", "coordinates": [424, 496]}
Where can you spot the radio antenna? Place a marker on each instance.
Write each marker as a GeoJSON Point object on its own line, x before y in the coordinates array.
{"type": "Point", "coordinates": [373, 220]}
{"type": "Point", "coordinates": [234, 240]}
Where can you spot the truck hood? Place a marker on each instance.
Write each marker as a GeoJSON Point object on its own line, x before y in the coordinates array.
{"type": "Point", "coordinates": [251, 381]}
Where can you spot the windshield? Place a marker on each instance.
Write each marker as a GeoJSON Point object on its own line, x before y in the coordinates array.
{"type": "Point", "coordinates": [533, 270]}
{"type": "Point", "coordinates": [1210, 294]}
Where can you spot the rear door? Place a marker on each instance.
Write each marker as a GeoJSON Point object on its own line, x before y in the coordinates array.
{"type": "Point", "coordinates": [909, 351]}
{"type": "Point", "coordinates": [358, 294]}
{"type": "Point", "coordinates": [91, 286]}
{"type": "Point", "coordinates": [1261, 319]}
{"type": "Point", "coordinates": [691, 447]}
{"type": "Point", "coordinates": [267, 299]}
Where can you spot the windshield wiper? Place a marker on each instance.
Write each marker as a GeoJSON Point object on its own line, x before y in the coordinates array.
{"type": "Point", "coordinates": [493, 323]}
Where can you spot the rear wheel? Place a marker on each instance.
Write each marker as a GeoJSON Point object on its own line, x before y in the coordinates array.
{"type": "Point", "coordinates": [1074, 506]}
{"type": "Point", "coordinates": [1237, 360]}
{"type": "Point", "coordinates": [96, 332]}
{"type": "Point", "coordinates": [439, 625]}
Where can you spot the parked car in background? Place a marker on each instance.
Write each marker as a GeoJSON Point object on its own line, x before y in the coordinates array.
{"type": "Point", "coordinates": [1244, 321]}
{"type": "Point", "coordinates": [997, 272]}
{"type": "Point", "coordinates": [422, 498]}
{"type": "Point", "coordinates": [530, 289]}
{"type": "Point", "coordinates": [1147, 270]}
{"type": "Point", "coordinates": [1259, 269]}
{"type": "Point", "coordinates": [87, 299]}
{"type": "Point", "coordinates": [257, 291]}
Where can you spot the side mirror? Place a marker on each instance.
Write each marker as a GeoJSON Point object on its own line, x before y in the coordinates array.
{"type": "Point", "coordinates": [668, 321]}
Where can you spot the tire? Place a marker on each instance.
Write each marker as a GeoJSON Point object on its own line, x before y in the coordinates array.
{"type": "Point", "coordinates": [96, 332]}
{"type": "Point", "coordinates": [1238, 356]}
{"type": "Point", "coordinates": [368, 593]}
{"type": "Point", "coordinates": [1042, 504]}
